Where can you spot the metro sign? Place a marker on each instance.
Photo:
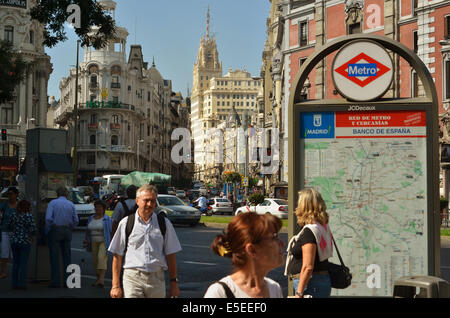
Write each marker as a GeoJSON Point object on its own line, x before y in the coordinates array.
{"type": "Point", "coordinates": [362, 69]}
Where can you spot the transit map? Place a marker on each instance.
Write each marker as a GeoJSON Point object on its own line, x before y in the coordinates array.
{"type": "Point", "coordinates": [370, 168]}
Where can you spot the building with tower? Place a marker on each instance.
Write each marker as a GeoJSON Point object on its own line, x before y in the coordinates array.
{"type": "Point", "coordinates": [217, 98]}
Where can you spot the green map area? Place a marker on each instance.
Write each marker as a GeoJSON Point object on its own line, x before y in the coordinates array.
{"type": "Point", "coordinates": [375, 191]}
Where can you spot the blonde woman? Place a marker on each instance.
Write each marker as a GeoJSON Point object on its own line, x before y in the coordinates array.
{"type": "Point", "coordinates": [313, 247]}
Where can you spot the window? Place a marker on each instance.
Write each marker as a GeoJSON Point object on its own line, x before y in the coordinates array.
{"type": "Point", "coordinates": [414, 6]}
{"type": "Point", "coordinates": [447, 27]}
{"type": "Point", "coordinates": [114, 140]}
{"type": "Point", "coordinates": [354, 28]}
{"type": "Point", "coordinates": [301, 61]}
{"type": "Point", "coordinates": [93, 119]}
{"type": "Point", "coordinates": [447, 78]}
{"type": "Point", "coordinates": [303, 33]}
{"type": "Point", "coordinates": [31, 37]}
{"type": "Point", "coordinates": [414, 84]}
{"type": "Point", "coordinates": [92, 140]}
{"type": "Point", "coordinates": [9, 33]}
{"type": "Point", "coordinates": [115, 119]}
{"type": "Point", "coordinates": [415, 41]}
{"type": "Point", "coordinates": [7, 114]}
{"type": "Point", "coordinates": [90, 159]}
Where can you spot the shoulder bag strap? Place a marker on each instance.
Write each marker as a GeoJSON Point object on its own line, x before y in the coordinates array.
{"type": "Point", "coordinates": [227, 289]}
{"type": "Point", "coordinates": [337, 250]}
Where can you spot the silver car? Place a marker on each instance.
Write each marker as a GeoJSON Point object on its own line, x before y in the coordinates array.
{"type": "Point", "coordinates": [177, 211]}
{"type": "Point", "coordinates": [222, 206]}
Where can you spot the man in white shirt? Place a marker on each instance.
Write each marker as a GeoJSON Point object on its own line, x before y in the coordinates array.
{"type": "Point", "coordinates": [201, 202]}
{"type": "Point", "coordinates": [148, 253]}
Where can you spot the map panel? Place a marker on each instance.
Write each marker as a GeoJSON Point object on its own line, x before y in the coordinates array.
{"type": "Point", "coordinates": [372, 176]}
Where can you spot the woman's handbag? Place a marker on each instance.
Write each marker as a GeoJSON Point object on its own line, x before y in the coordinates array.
{"type": "Point", "coordinates": [340, 275]}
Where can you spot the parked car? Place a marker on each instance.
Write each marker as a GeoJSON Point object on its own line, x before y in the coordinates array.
{"type": "Point", "coordinates": [221, 206]}
{"type": "Point", "coordinates": [177, 211]}
{"type": "Point", "coordinates": [171, 190]}
{"type": "Point", "coordinates": [277, 207]}
{"type": "Point", "coordinates": [181, 194]}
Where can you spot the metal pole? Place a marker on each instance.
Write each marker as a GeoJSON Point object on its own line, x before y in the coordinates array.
{"type": "Point", "coordinates": [75, 120]}
{"type": "Point", "coordinates": [96, 147]}
{"type": "Point", "coordinates": [138, 155]}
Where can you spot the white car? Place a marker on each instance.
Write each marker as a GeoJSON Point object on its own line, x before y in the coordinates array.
{"type": "Point", "coordinates": [276, 207]}
{"type": "Point", "coordinates": [221, 206]}
{"type": "Point", "coordinates": [181, 194]}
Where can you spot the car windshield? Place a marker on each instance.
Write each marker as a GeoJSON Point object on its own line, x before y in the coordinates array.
{"type": "Point", "coordinates": [163, 201]}
{"type": "Point", "coordinates": [77, 198]}
{"type": "Point", "coordinates": [281, 202]}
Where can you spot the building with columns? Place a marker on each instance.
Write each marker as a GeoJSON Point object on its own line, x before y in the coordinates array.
{"type": "Point", "coordinates": [28, 109]}
{"type": "Point", "coordinates": [124, 110]}
{"type": "Point", "coordinates": [296, 28]}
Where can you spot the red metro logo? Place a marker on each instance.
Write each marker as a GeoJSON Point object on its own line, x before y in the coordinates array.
{"type": "Point", "coordinates": [362, 70]}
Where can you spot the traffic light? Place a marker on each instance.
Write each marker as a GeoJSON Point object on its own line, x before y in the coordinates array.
{"type": "Point", "coordinates": [3, 134]}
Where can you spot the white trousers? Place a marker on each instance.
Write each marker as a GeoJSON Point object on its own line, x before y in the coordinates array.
{"type": "Point", "coordinates": [139, 284]}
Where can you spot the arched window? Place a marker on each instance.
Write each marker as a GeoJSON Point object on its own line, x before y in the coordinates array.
{"type": "Point", "coordinates": [93, 69]}
{"type": "Point", "coordinates": [114, 140]}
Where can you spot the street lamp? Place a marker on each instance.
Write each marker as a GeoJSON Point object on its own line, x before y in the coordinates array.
{"type": "Point", "coordinates": [139, 141]}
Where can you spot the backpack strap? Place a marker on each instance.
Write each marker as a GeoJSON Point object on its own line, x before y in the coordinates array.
{"type": "Point", "coordinates": [162, 223]}
{"type": "Point", "coordinates": [227, 289]}
{"type": "Point", "coordinates": [129, 229]}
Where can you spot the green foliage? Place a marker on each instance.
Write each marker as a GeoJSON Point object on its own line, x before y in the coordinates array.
{"type": "Point", "coordinates": [12, 71]}
{"type": "Point", "coordinates": [231, 177]}
{"type": "Point", "coordinates": [53, 14]}
{"type": "Point", "coordinates": [256, 198]}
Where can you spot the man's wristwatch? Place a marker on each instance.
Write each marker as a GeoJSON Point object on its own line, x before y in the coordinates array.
{"type": "Point", "coordinates": [174, 280]}
{"type": "Point", "coordinates": [298, 294]}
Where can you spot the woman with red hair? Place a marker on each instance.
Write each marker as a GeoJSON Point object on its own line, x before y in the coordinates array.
{"type": "Point", "coordinates": [252, 243]}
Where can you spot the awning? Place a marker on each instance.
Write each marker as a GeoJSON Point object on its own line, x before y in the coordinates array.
{"type": "Point", "coordinates": [51, 163]}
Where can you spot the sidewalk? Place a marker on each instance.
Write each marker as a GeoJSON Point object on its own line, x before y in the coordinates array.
{"type": "Point", "coordinates": [41, 289]}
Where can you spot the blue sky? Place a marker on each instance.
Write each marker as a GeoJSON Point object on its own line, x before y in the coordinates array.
{"type": "Point", "coordinates": [170, 31]}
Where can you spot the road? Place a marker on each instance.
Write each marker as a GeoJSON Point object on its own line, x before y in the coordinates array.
{"type": "Point", "coordinates": [197, 265]}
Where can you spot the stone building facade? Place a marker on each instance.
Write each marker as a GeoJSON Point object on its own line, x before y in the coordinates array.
{"type": "Point", "coordinates": [124, 110]}
{"type": "Point", "coordinates": [28, 109]}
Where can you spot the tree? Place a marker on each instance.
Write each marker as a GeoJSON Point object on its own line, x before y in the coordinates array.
{"type": "Point", "coordinates": [53, 15]}
{"type": "Point", "coordinates": [12, 71]}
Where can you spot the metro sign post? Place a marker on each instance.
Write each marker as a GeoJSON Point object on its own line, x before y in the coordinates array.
{"type": "Point", "coordinates": [374, 159]}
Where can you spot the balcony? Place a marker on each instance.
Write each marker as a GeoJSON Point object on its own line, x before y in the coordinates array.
{"type": "Point", "coordinates": [93, 126]}
{"type": "Point", "coordinates": [115, 85]}
{"type": "Point", "coordinates": [114, 126]}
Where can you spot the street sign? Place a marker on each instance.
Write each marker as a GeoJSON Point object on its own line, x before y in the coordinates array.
{"type": "Point", "coordinates": [245, 182]}
{"type": "Point", "coordinates": [362, 71]}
